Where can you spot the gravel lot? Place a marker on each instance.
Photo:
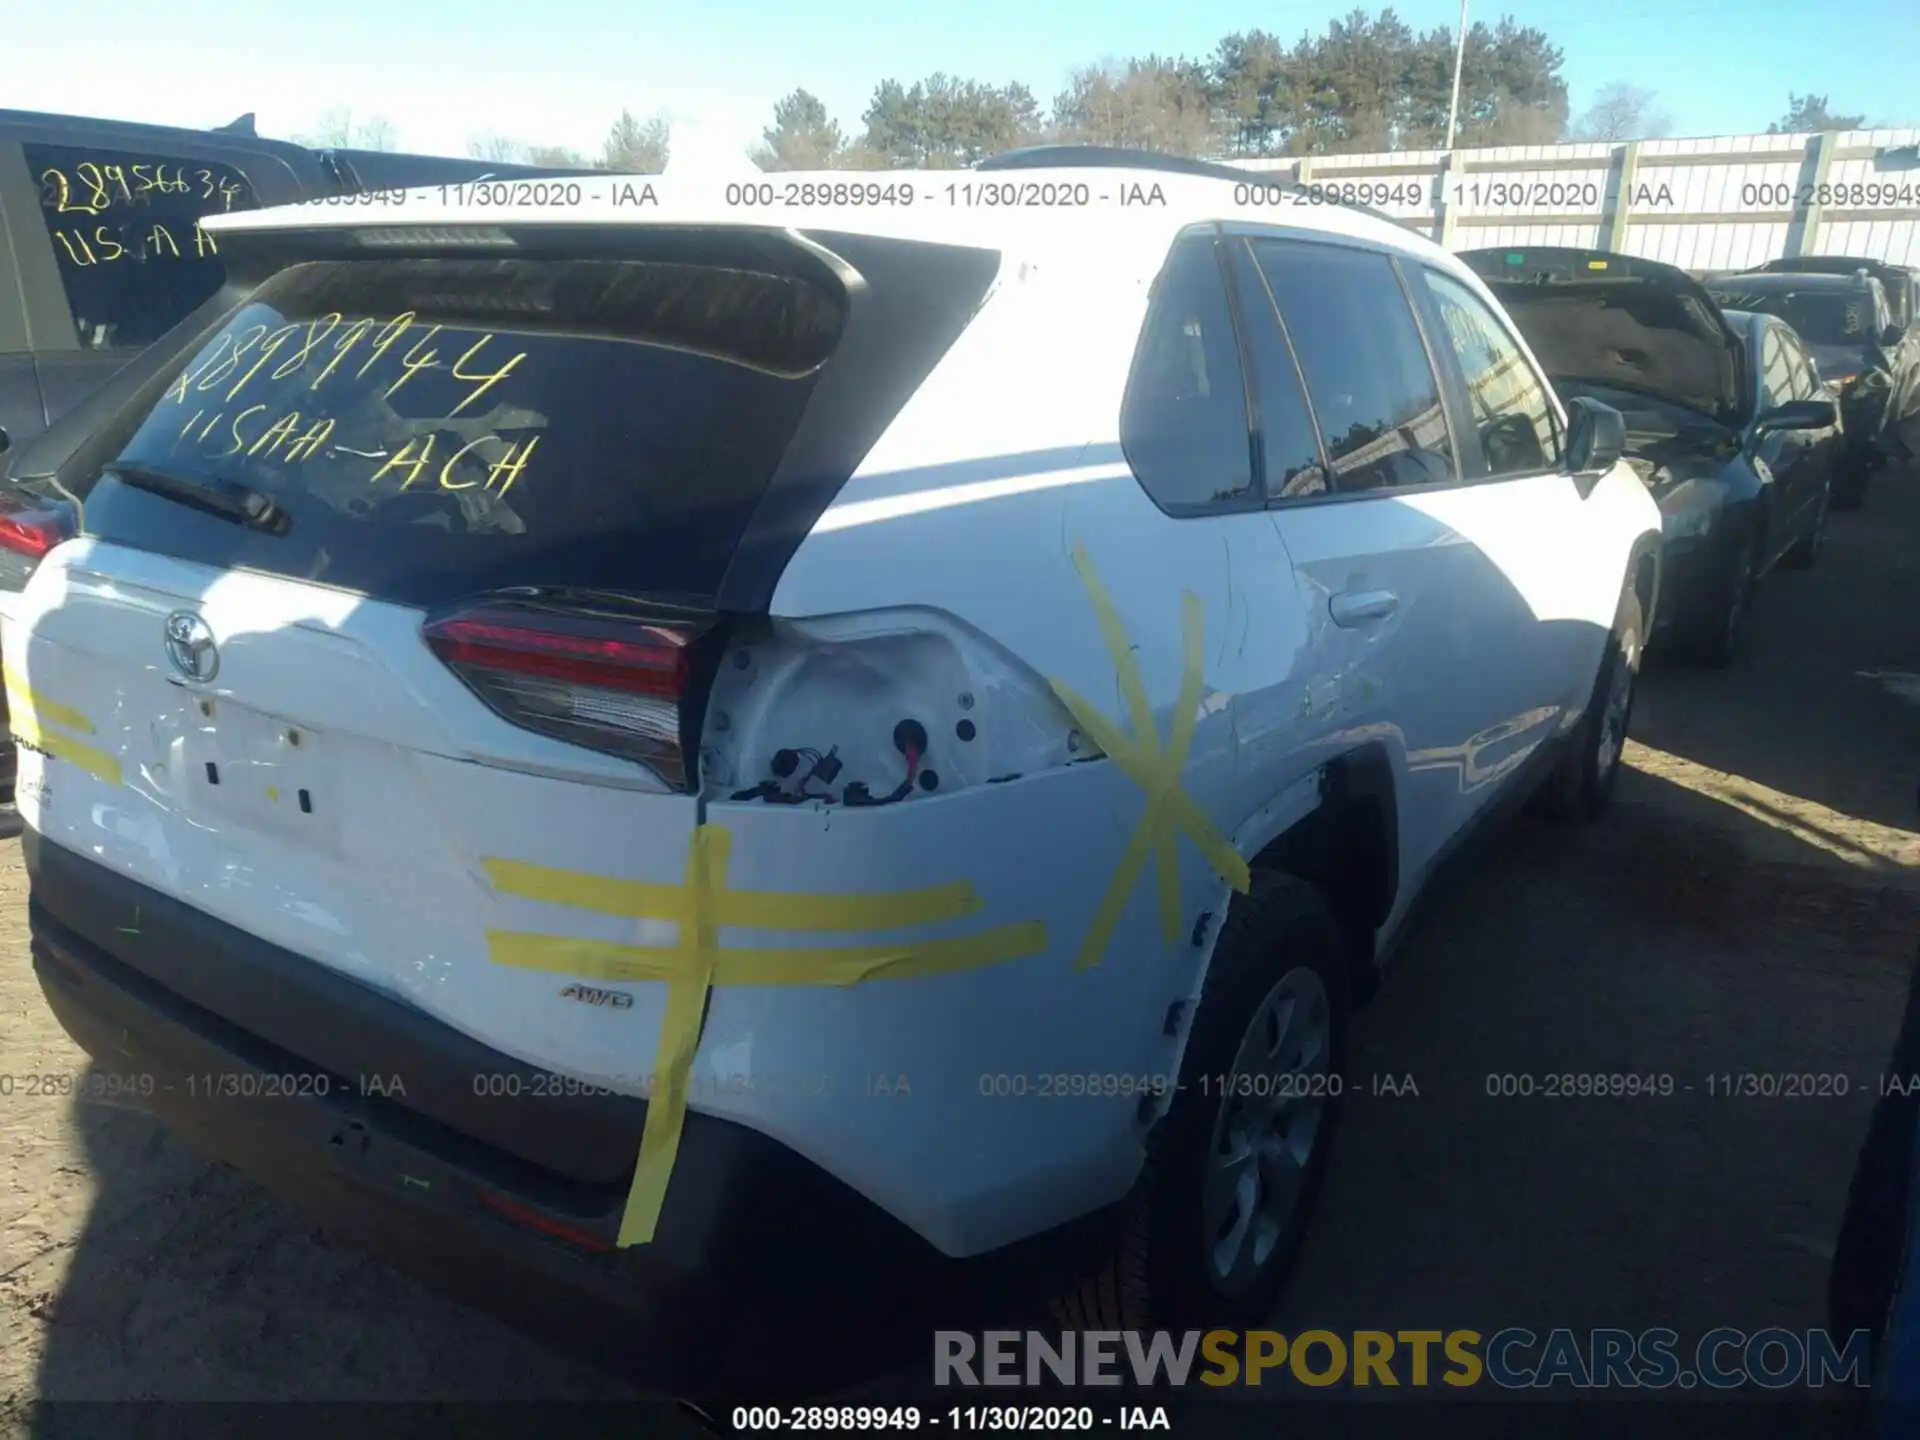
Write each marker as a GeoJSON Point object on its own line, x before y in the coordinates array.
{"type": "Point", "coordinates": [1751, 904]}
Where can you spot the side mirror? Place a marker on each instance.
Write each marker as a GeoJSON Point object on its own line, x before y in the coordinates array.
{"type": "Point", "coordinates": [1797, 415]}
{"type": "Point", "coordinates": [1596, 439]}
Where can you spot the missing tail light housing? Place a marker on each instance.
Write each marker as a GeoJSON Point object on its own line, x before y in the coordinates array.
{"type": "Point", "coordinates": [621, 677]}
{"type": "Point", "coordinates": [28, 530]}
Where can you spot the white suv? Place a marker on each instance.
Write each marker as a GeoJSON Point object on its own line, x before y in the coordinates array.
{"type": "Point", "coordinates": [721, 782]}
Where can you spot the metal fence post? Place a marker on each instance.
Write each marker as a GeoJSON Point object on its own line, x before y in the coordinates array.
{"type": "Point", "coordinates": [1803, 235]}
{"type": "Point", "coordinates": [1614, 221]}
{"type": "Point", "coordinates": [1452, 166]}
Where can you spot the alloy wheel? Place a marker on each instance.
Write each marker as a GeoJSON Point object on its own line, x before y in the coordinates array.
{"type": "Point", "coordinates": [1265, 1134]}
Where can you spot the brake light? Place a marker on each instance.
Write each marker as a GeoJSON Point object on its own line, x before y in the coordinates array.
{"type": "Point", "coordinates": [608, 679]}
{"type": "Point", "coordinates": [25, 538]}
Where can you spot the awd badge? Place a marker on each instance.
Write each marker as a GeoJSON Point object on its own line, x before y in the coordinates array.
{"type": "Point", "coordinates": [594, 995]}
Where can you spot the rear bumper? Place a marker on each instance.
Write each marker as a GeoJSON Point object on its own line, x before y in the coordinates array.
{"type": "Point", "coordinates": [768, 1277]}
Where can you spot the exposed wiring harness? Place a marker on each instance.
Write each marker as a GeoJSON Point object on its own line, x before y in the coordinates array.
{"type": "Point", "coordinates": [909, 738]}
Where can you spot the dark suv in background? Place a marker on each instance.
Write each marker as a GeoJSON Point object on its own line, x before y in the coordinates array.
{"type": "Point", "coordinates": [102, 253]}
{"type": "Point", "coordinates": [1873, 361]}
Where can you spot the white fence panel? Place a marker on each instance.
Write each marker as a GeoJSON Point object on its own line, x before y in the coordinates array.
{"type": "Point", "coordinates": [1720, 203]}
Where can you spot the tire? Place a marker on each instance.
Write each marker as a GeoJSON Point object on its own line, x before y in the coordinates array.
{"type": "Point", "coordinates": [1280, 956]}
{"type": "Point", "coordinates": [1718, 643]}
{"type": "Point", "coordinates": [1583, 779]}
{"type": "Point", "coordinates": [1806, 550]}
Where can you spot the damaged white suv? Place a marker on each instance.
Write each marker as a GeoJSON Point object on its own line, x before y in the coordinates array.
{"type": "Point", "coordinates": [719, 783]}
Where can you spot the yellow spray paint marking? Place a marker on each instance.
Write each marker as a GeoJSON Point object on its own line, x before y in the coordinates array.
{"type": "Point", "coordinates": [65, 716]}
{"type": "Point", "coordinates": [1156, 770]}
{"type": "Point", "coordinates": [695, 963]}
{"type": "Point", "coordinates": [28, 715]}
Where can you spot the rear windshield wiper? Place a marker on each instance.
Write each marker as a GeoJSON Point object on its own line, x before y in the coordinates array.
{"type": "Point", "coordinates": [215, 497]}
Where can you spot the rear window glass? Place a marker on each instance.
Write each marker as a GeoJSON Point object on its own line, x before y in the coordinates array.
{"type": "Point", "coordinates": [1826, 317]}
{"type": "Point", "coordinates": [435, 428]}
{"type": "Point", "coordinates": [126, 236]}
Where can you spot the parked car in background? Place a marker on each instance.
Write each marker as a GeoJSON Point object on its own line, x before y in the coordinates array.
{"type": "Point", "coordinates": [1847, 326]}
{"type": "Point", "coordinates": [1726, 421]}
{"type": "Point", "coordinates": [101, 249]}
{"type": "Point", "coordinates": [1901, 284]}
{"type": "Point", "coordinates": [464, 690]}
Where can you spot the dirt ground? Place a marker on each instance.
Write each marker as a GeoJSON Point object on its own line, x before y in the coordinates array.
{"type": "Point", "coordinates": [1751, 904]}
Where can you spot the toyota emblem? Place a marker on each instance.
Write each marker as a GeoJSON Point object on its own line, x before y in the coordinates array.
{"type": "Point", "coordinates": [190, 646]}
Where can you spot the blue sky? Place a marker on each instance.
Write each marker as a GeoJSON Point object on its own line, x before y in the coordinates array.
{"type": "Point", "coordinates": [559, 72]}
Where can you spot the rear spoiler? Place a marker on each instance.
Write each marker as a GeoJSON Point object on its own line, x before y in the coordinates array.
{"type": "Point", "coordinates": [363, 170]}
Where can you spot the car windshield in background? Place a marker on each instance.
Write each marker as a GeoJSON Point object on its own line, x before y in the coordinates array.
{"type": "Point", "coordinates": [126, 235]}
{"type": "Point", "coordinates": [1823, 317]}
{"type": "Point", "coordinates": [426, 428]}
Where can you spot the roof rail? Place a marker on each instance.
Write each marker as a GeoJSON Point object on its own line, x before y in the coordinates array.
{"type": "Point", "coordinates": [1067, 157]}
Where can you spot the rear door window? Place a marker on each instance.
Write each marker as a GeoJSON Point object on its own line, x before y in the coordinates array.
{"type": "Point", "coordinates": [435, 428]}
{"type": "Point", "coordinates": [126, 235]}
{"type": "Point", "coordinates": [1289, 440]}
{"type": "Point", "coordinates": [1373, 391]}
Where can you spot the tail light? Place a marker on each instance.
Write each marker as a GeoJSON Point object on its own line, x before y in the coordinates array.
{"type": "Point", "coordinates": [605, 676]}
{"type": "Point", "coordinates": [27, 532]}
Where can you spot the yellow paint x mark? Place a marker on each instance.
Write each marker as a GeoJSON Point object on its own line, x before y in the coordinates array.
{"type": "Point", "coordinates": [695, 963]}
{"type": "Point", "coordinates": [1155, 769]}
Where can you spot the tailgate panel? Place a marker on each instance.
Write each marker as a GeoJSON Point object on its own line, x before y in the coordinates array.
{"type": "Point", "coordinates": [380, 877]}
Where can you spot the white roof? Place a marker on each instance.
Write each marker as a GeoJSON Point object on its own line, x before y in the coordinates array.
{"type": "Point", "coordinates": [1105, 211]}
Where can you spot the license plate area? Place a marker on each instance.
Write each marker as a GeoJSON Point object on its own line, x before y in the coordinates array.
{"type": "Point", "coordinates": [235, 764]}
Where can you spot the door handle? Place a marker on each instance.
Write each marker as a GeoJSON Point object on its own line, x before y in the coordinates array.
{"type": "Point", "coordinates": [1354, 607]}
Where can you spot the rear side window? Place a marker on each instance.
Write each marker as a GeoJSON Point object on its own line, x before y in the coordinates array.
{"type": "Point", "coordinates": [1373, 391]}
{"type": "Point", "coordinates": [436, 428]}
{"type": "Point", "coordinates": [126, 236]}
{"type": "Point", "coordinates": [1509, 403]}
{"type": "Point", "coordinates": [1183, 424]}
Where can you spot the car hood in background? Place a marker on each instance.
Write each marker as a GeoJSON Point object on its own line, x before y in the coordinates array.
{"type": "Point", "coordinates": [1621, 321]}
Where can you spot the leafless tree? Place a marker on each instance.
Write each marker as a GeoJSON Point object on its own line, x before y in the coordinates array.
{"type": "Point", "coordinates": [1623, 112]}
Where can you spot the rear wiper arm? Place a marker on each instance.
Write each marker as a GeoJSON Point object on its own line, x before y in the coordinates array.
{"type": "Point", "coordinates": [215, 497]}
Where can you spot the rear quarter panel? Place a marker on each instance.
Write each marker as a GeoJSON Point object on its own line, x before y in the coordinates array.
{"type": "Point", "coordinates": [987, 532]}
